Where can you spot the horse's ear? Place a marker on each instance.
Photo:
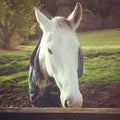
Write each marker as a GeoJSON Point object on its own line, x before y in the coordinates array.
{"type": "Point", "coordinates": [44, 22]}
{"type": "Point", "coordinates": [76, 16]}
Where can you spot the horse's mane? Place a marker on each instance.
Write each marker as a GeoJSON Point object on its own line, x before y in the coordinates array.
{"type": "Point", "coordinates": [33, 54]}
{"type": "Point", "coordinates": [34, 63]}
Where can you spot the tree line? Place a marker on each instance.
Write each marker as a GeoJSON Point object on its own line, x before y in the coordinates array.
{"type": "Point", "coordinates": [18, 23]}
{"type": "Point", "coordinates": [97, 14]}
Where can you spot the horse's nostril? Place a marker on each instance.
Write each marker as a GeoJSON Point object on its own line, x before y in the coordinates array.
{"type": "Point", "coordinates": [66, 103]}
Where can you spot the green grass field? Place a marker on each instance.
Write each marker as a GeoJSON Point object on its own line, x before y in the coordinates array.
{"type": "Point", "coordinates": [101, 51]}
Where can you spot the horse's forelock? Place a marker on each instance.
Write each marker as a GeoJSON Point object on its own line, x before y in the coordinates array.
{"type": "Point", "coordinates": [63, 22]}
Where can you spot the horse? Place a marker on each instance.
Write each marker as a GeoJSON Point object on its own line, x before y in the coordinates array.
{"type": "Point", "coordinates": [58, 56]}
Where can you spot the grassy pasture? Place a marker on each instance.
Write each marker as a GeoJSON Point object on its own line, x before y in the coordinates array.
{"type": "Point", "coordinates": [101, 51]}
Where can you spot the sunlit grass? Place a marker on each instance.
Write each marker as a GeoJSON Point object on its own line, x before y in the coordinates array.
{"type": "Point", "coordinates": [14, 79]}
{"type": "Point", "coordinates": [13, 67]}
{"type": "Point", "coordinates": [101, 51]}
{"type": "Point", "coordinates": [100, 40]}
{"type": "Point", "coordinates": [10, 56]}
{"type": "Point", "coordinates": [29, 47]}
{"type": "Point", "coordinates": [104, 69]}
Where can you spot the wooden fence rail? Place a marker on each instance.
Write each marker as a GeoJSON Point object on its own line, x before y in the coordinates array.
{"type": "Point", "coordinates": [59, 114]}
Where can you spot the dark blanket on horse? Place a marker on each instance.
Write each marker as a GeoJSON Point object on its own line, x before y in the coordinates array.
{"type": "Point", "coordinates": [50, 95]}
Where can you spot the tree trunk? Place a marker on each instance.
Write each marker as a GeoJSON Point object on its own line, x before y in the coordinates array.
{"type": "Point", "coordinates": [6, 42]}
{"type": "Point", "coordinates": [6, 35]}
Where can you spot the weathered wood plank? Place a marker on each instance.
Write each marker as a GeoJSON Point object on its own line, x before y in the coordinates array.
{"type": "Point", "coordinates": [61, 110]}
{"type": "Point", "coordinates": [60, 113]}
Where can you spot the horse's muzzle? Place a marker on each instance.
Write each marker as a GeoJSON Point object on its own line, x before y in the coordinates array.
{"type": "Point", "coordinates": [71, 103]}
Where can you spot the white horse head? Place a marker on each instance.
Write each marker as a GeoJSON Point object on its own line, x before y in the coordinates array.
{"type": "Point", "coordinates": [59, 54]}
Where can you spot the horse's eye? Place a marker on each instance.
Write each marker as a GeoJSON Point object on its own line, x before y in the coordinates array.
{"type": "Point", "coordinates": [49, 50]}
